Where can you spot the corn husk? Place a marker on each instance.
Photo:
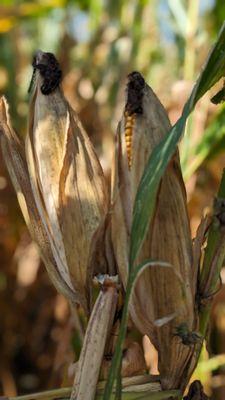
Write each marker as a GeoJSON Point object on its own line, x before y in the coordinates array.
{"type": "Point", "coordinates": [14, 155]}
{"type": "Point", "coordinates": [162, 298]}
{"type": "Point", "coordinates": [67, 183]}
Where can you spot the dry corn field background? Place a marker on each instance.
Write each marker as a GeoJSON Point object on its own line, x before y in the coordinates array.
{"type": "Point", "coordinates": [112, 200]}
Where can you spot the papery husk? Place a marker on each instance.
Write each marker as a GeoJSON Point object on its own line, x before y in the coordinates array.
{"type": "Point", "coordinates": [13, 152]}
{"type": "Point", "coordinates": [68, 185]}
{"type": "Point", "coordinates": [158, 292]}
{"type": "Point", "coordinates": [98, 330]}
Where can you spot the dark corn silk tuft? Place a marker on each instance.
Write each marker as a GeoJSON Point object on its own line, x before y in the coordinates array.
{"type": "Point", "coordinates": [133, 107]}
{"type": "Point", "coordinates": [49, 69]}
{"type": "Point", "coordinates": [135, 86]}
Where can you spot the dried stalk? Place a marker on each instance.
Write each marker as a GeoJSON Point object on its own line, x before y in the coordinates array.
{"type": "Point", "coordinates": [64, 394]}
{"type": "Point", "coordinates": [98, 329]}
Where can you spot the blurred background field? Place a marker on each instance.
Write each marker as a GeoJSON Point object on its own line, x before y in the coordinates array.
{"type": "Point", "coordinates": [98, 42]}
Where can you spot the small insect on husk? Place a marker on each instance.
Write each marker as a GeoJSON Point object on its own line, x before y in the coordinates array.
{"type": "Point", "coordinates": [187, 338]}
{"type": "Point", "coordinates": [160, 294]}
{"type": "Point", "coordinates": [66, 178]}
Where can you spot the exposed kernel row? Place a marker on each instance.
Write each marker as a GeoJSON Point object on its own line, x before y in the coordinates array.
{"type": "Point", "coordinates": [129, 123]}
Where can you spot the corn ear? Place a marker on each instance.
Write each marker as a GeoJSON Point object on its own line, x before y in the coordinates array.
{"type": "Point", "coordinates": [67, 182]}
{"type": "Point", "coordinates": [156, 294]}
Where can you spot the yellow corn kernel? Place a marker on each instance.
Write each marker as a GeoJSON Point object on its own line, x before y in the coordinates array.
{"type": "Point", "coordinates": [129, 123]}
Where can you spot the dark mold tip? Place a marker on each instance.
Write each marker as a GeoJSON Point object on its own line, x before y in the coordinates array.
{"type": "Point", "coordinates": [135, 86]}
{"type": "Point", "coordinates": [49, 69]}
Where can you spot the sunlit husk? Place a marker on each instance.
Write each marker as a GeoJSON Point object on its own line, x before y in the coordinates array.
{"type": "Point", "coordinates": [158, 293]}
{"type": "Point", "coordinates": [13, 152]}
{"type": "Point", "coordinates": [98, 329]}
{"type": "Point", "coordinates": [68, 186]}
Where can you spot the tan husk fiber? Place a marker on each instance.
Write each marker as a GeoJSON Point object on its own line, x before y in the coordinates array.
{"type": "Point", "coordinates": [160, 295]}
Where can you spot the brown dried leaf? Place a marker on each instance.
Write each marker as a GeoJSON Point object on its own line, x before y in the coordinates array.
{"type": "Point", "coordinates": [14, 155]}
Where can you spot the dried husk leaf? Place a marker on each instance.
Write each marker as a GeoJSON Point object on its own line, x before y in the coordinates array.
{"type": "Point", "coordinates": [14, 155]}
{"type": "Point", "coordinates": [98, 329]}
{"type": "Point", "coordinates": [157, 293]}
{"type": "Point", "coordinates": [68, 185]}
